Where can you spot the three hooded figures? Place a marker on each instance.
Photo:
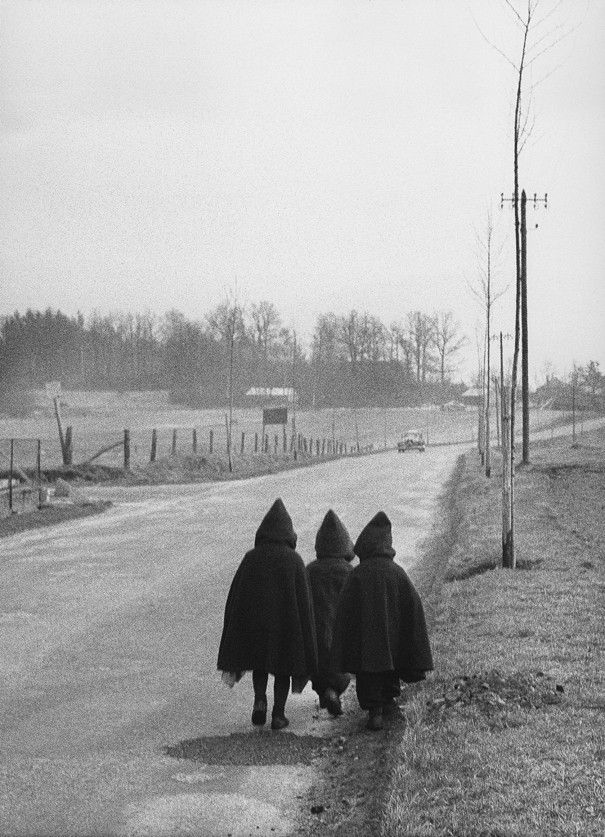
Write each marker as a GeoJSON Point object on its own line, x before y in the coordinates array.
{"type": "Point", "coordinates": [325, 621]}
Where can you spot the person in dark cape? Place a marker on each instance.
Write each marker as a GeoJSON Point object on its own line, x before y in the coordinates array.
{"type": "Point", "coordinates": [327, 574]}
{"type": "Point", "coordinates": [380, 630]}
{"type": "Point", "coordinates": [269, 626]}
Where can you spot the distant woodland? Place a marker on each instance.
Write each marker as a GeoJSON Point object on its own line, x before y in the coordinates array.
{"type": "Point", "coordinates": [351, 360]}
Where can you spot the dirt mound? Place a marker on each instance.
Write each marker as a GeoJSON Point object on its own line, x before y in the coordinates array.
{"type": "Point", "coordinates": [491, 691]}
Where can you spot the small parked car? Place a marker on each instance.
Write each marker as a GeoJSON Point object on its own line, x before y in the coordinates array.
{"type": "Point", "coordinates": [412, 440]}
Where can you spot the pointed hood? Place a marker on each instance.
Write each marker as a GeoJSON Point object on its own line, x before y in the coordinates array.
{"type": "Point", "coordinates": [332, 539]}
{"type": "Point", "coordinates": [375, 538]}
{"type": "Point", "coordinates": [276, 526]}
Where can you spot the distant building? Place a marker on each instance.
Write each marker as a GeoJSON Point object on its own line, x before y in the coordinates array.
{"type": "Point", "coordinates": [472, 397]}
{"type": "Point", "coordinates": [271, 395]}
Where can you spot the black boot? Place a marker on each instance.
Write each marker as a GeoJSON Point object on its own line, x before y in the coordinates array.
{"type": "Point", "coordinates": [375, 722]}
{"type": "Point", "coordinates": [279, 721]}
{"type": "Point", "coordinates": [259, 712]}
{"type": "Point", "coordinates": [332, 703]}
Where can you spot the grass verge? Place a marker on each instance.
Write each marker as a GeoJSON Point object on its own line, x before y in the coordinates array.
{"type": "Point", "coordinates": [49, 516]}
{"type": "Point", "coordinates": [507, 738]}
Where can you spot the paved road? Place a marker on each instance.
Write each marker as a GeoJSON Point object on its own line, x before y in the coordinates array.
{"type": "Point", "coordinates": [109, 631]}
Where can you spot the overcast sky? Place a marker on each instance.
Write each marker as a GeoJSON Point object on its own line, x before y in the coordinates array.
{"type": "Point", "coordinates": [322, 155]}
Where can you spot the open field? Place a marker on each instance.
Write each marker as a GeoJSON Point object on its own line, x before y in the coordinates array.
{"type": "Point", "coordinates": [99, 419]}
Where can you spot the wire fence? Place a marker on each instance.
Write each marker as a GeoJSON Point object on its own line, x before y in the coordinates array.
{"type": "Point", "coordinates": [135, 440]}
{"type": "Point", "coordinates": [20, 475]}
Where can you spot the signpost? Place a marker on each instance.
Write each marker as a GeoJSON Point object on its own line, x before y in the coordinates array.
{"type": "Point", "coordinates": [274, 415]}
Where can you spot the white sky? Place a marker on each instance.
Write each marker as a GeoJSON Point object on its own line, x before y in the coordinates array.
{"type": "Point", "coordinates": [324, 155]}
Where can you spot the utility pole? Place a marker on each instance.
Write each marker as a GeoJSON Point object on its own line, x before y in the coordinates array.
{"type": "Point", "coordinates": [524, 326]}
{"type": "Point", "coordinates": [229, 423]}
{"type": "Point", "coordinates": [573, 407]}
{"type": "Point", "coordinates": [294, 439]}
{"type": "Point", "coordinates": [524, 331]}
{"type": "Point", "coordinates": [508, 483]}
{"type": "Point", "coordinates": [524, 345]}
{"type": "Point", "coordinates": [488, 458]}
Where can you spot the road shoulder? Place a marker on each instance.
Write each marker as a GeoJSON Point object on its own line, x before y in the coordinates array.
{"type": "Point", "coordinates": [350, 797]}
{"type": "Point", "coordinates": [507, 737]}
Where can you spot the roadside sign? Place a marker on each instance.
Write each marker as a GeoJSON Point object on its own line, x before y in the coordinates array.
{"type": "Point", "coordinates": [275, 415]}
{"type": "Point", "coordinates": [53, 389]}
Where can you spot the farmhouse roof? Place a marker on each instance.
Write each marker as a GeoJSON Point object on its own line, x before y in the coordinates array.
{"type": "Point", "coordinates": [473, 392]}
{"type": "Point", "coordinates": [270, 392]}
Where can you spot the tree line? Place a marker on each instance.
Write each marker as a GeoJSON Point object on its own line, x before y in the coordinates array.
{"type": "Point", "coordinates": [352, 359]}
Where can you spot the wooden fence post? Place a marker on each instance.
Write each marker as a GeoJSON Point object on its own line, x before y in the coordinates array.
{"type": "Point", "coordinates": [285, 440]}
{"type": "Point", "coordinates": [228, 428]}
{"type": "Point", "coordinates": [60, 427]}
{"type": "Point", "coordinates": [68, 456]}
{"type": "Point", "coordinates": [211, 441]}
{"type": "Point", "coordinates": [174, 442]}
{"type": "Point", "coordinates": [154, 445]}
{"type": "Point", "coordinates": [317, 447]}
{"type": "Point", "coordinates": [127, 450]}
{"type": "Point", "coordinates": [256, 442]}
{"type": "Point", "coordinates": [194, 441]}
{"type": "Point", "coordinates": [266, 445]}
{"type": "Point", "coordinates": [242, 445]}
{"type": "Point", "coordinates": [39, 471]}
{"type": "Point", "coordinates": [276, 443]}
{"type": "Point", "coordinates": [10, 475]}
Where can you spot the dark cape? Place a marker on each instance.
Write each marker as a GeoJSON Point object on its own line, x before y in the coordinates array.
{"type": "Point", "coordinates": [327, 574]}
{"type": "Point", "coordinates": [269, 624]}
{"type": "Point", "coordinates": [380, 624]}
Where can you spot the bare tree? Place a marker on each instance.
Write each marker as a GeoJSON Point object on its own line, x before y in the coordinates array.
{"type": "Point", "coordinates": [421, 330]}
{"type": "Point", "coordinates": [447, 341]}
{"type": "Point", "coordinates": [350, 335]}
{"type": "Point", "coordinates": [395, 337]}
{"type": "Point", "coordinates": [266, 323]}
{"type": "Point", "coordinates": [226, 322]}
{"type": "Point", "coordinates": [486, 295]}
{"type": "Point", "coordinates": [326, 347]}
{"type": "Point", "coordinates": [538, 33]}
{"type": "Point", "coordinates": [226, 319]}
{"type": "Point", "coordinates": [326, 351]}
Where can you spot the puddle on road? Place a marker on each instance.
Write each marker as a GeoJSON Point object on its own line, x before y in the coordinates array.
{"type": "Point", "coordinates": [262, 747]}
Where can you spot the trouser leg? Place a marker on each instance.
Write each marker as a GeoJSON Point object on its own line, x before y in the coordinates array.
{"type": "Point", "coordinates": [391, 686]}
{"type": "Point", "coordinates": [369, 688]}
{"type": "Point", "coordinates": [320, 684]}
{"type": "Point", "coordinates": [339, 682]}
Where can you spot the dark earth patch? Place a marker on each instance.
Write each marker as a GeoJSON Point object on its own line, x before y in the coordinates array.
{"type": "Point", "coordinates": [492, 691]}
{"type": "Point", "coordinates": [263, 747]}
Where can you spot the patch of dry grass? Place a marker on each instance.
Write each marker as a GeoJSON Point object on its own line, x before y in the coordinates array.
{"type": "Point", "coordinates": [504, 767]}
